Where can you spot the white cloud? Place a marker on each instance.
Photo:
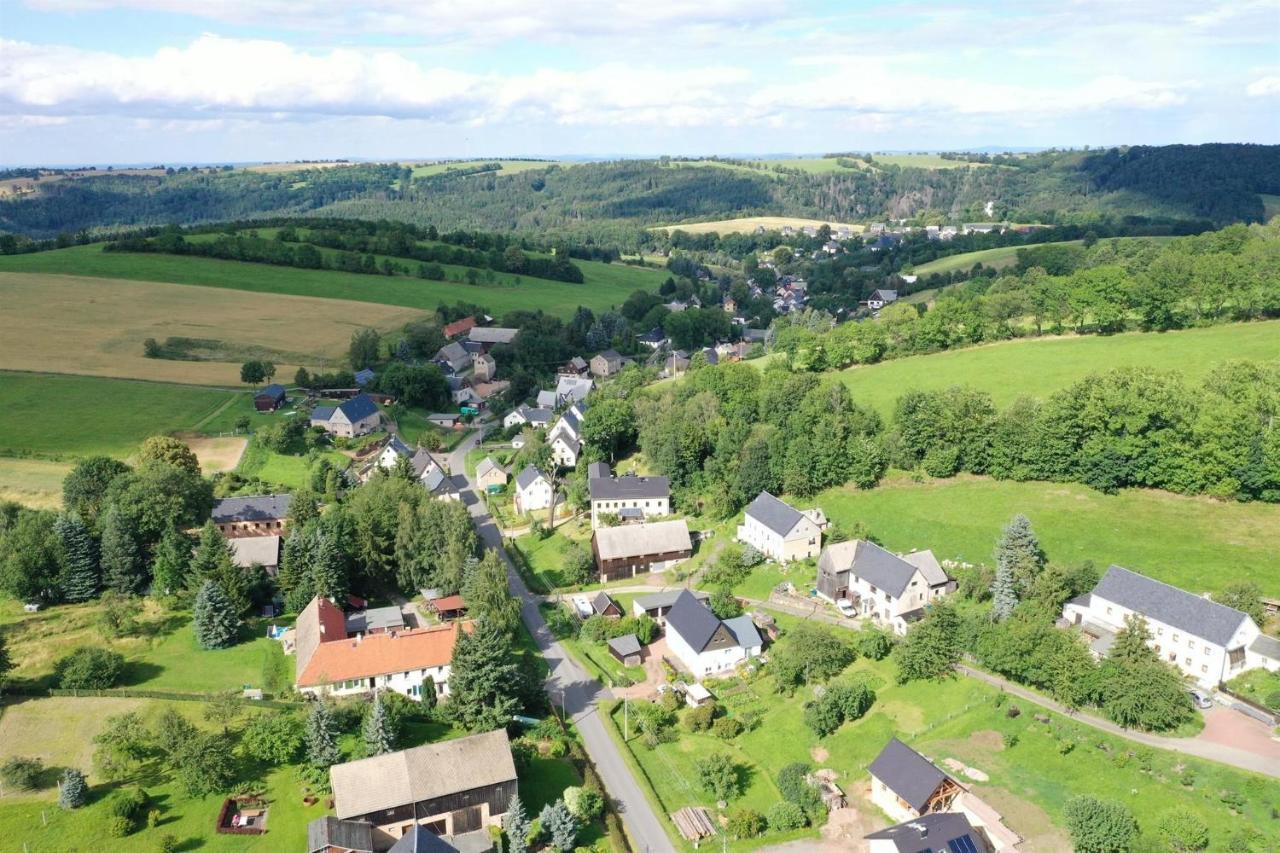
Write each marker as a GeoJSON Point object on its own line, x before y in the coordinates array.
{"type": "Point", "coordinates": [1264, 87]}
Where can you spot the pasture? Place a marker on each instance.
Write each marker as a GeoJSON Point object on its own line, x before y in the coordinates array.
{"type": "Point", "coordinates": [748, 225]}
{"type": "Point", "coordinates": [606, 285]}
{"type": "Point", "coordinates": [32, 482]}
{"type": "Point", "coordinates": [1002, 257]}
{"type": "Point", "coordinates": [1039, 367]}
{"type": "Point", "coordinates": [1191, 542]}
{"type": "Point", "coordinates": [96, 326]}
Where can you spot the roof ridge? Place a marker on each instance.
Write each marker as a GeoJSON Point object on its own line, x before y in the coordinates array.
{"type": "Point", "coordinates": [1204, 598]}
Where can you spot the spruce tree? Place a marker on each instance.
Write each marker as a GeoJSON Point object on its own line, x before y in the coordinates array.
{"type": "Point", "coordinates": [322, 737]}
{"type": "Point", "coordinates": [73, 790]}
{"type": "Point", "coordinates": [1019, 548]}
{"type": "Point", "coordinates": [1130, 643]}
{"type": "Point", "coordinates": [79, 579]}
{"type": "Point", "coordinates": [378, 736]}
{"type": "Point", "coordinates": [1004, 593]}
{"type": "Point", "coordinates": [121, 567]}
{"type": "Point", "coordinates": [484, 680]}
{"type": "Point", "coordinates": [516, 824]}
{"type": "Point", "coordinates": [328, 574]}
{"type": "Point", "coordinates": [215, 620]}
{"type": "Point", "coordinates": [169, 567]}
{"type": "Point", "coordinates": [212, 556]}
{"type": "Point", "coordinates": [559, 823]}
{"type": "Point", "coordinates": [293, 577]}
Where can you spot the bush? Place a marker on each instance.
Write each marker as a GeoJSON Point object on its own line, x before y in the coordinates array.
{"type": "Point", "coordinates": [119, 827]}
{"type": "Point", "coordinates": [1011, 739]}
{"type": "Point", "coordinates": [21, 773]}
{"type": "Point", "coordinates": [873, 643]}
{"type": "Point", "coordinates": [1234, 800]}
{"type": "Point", "coordinates": [167, 844]}
{"type": "Point", "coordinates": [127, 803]}
{"type": "Point", "coordinates": [700, 718]}
{"type": "Point", "coordinates": [786, 816]}
{"type": "Point", "coordinates": [746, 823]}
{"type": "Point", "coordinates": [1099, 826]}
{"type": "Point", "coordinates": [89, 668]}
{"type": "Point", "coordinates": [153, 818]}
{"type": "Point", "coordinates": [720, 776]}
{"type": "Point", "coordinates": [73, 790]}
{"type": "Point", "coordinates": [1273, 700]}
{"type": "Point", "coordinates": [586, 804]}
{"type": "Point", "coordinates": [726, 728]}
{"type": "Point", "coordinates": [1183, 831]}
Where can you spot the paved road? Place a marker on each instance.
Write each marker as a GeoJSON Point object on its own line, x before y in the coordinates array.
{"type": "Point", "coordinates": [569, 685]}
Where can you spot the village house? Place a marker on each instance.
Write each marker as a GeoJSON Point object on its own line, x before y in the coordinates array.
{"type": "Point", "coordinates": [490, 476]}
{"type": "Point", "coordinates": [252, 515]}
{"type": "Point", "coordinates": [1209, 642]}
{"type": "Point", "coordinates": [655, 338]}
{"type": "Point", "coordinates": [676, 364]}
{"type": "Point", "coordinates": [247, 551]}
{"type": "Point", "coordinates": [629, 497]}
{"type": "Point", "coordinates": [565, 438]}
{"type": "Point", "coordinates": [880, 298]}
{"type": "Point", "coordinates": [780, 531]}
{"type": "Point", "coordinates": [483, 367]}
{"type": "Point", "coordinates": [459, 327]}
{"type": "Point", "coordinates": [364, 377]}
{"type": "Point", "coordinates": [890, 590]}
{"type": "Point", "coordinates": [269, 399]}
{"type": "Point", "coordinates": [704, 643]}
{"type": "Point", "coordinates": [655, 605]}
{"type": "Point", "coordinates": [533, 490]}
{"type": "Point", "coordinates": [454, 789]}
{"type": "Point", "coordinates": [947, 831]}
{"type": "Point", "coordinates": [331, 662]}
{"type": "Point", "coordinates": [634, 549]}
{"type": "Point", "coordinates": [487, 337]}
{"type": "Point", "coordinates": [606, 363]}
{"type": "Point", "coordinates": [575, 368]}
{"type": "Point", "coordinates": [356, 416]}
{"type": "Point", "coordinates": [569, 390]}
{"type": "Point", "coordinates": [522, 414]}
{"type": "Point", "coordinates": [452, 358]}
{"type": "Point", "coordinates": [906, 785]}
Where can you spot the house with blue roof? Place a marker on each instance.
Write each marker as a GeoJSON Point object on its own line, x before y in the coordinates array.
{"type": "Point", "coordinates": [357, 416]}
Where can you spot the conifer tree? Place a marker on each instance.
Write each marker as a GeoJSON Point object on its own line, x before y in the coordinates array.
{"type": "Point", "coordinates": [214, 560]}
{"type": "Point", "coordinates": [215, 620]}
{"type": "Point", "coordinates": [322, 737]}
{"type": "Point", "coordinates": [169, 567]}
{"type": "Point", "coordinates": [516, 824]}
{"type": "Point", "coordinates": [378, 737]}
{"type": "Point", "coordinates": [1019, 548]}
{"type": "Point", "coordinates": [328, 574]}
{"type": "Point", "coordinates": [1004, 593]}
{"type": "Point", "coordinates": [73, 790]}
{"type": "Point", "coordinates": [483, 679]}
{"type": "Point", "coordinates": [79, 579]}
{"type": "Point", "coordinates": [292, 577]}
{"type": "Point", "coordinates": [1130, 643]}
{"type": "Point", "coordinates": [121, 568]}
{"type": "Point", "coordinates": [559, 823]}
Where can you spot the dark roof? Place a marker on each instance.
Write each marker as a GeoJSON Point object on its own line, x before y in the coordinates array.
{"type": "Point", "coordinates": [1175, 607]}
{"type": "Point", "coordinates": [626, 645]}
{"type": "Point", "coordinates": [667, 598]}
{"type": "Point", "coordinates": [527, 477]}
{"type": "Point", "coordinates": [1268, 647]}
{"type": "Point", "coordinates": [755, 335]}
{"type": "Point", "coordinates": [945, 832]}
{"type": "Point", "coordinates": [629, 487]}
{"type": "Point", "coordinates": [375, 618]}
{"type": "Point", "coordinates": [744, 631]}
{"type": "Point", "coordinates": [348, 834]}
{"type": "Point", "coordinates": [778, 516]}
{"type": "Point", "coordinates": [274, 391]}
{"type": "Point", "coordinates": [882, 569]}
{"type": "Point", "coordinates": [610, 355]}
{"type": "Point", "coordinates": [251, 508]}
{"type": "Point", "coordinates": [885, 295]}
{"type": "Point", "coordinates": [598, 469]}
{"type": "Point", "coordinates": [692, 620]}
{"type": "Point", "coordinates": [907, 773]}
{"type": "Point", "coordinates": [364, 376]}
{"type": "Point", "coordinates": [602, 602]}
{"type": "Point", "coordinates": [631, 512]}
{"type": "Point", "coordinates": [419, 839]}
{"type": "Point", "coordinates": [358, 407]}
{"type": "Point", "coordinates": [322, 413]}
{"type": "Point", "coordinates": [653, 336]}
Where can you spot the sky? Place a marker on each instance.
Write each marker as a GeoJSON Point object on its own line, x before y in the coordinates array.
{"type": "Point", "coordinates": [174, 81]}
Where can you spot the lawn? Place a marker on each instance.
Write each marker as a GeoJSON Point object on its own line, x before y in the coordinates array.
{"type": "Point", "coordinates": [32, 482]}
{"type": "Point", "coordinates": [606, 285]}
{"type": "Point", "coordinates": [97, 325]}
{"type": "Point", "coordinates": [1194, 543]}
{"type": "Point", "coordinates": [545, 557]}
{"type": "Point", "coordinates": [293, 472]}
{"type": "Point", "coordinates": [414, 427]}
{"type": "Point", "coordinates": [1257, 685]}
{"type": "Point", "coordinates": [1039, 367]}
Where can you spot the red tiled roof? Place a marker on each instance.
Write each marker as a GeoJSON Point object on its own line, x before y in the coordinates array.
{"type": "Point", "coordinates": [449, 602]}
{"type": "Point", "coordinates": [457, 327]}
{"type": "Point", "coordinates": [381, 654]}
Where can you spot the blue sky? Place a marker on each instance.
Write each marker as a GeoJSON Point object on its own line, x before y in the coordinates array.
{"type": "Point", "coordinates": [139, 81]}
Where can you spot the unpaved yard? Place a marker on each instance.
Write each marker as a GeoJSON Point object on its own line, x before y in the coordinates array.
{"type": "Point", "coordinates": [217, 454]}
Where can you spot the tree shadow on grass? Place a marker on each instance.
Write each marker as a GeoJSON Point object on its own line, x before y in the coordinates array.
{"type": "Point", "coordinates": [137, 673]}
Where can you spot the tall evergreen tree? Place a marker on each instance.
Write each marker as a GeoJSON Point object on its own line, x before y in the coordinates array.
{"type": "Point", "coordinates": [169, 567]}
{"type": "Point", "coordinates": [559, 823]}
{"type": "Point", "coordinates": [516, 824]}
{"type": "Point", "coordinates": [484, 680]}
{"type": "Point", "coordinates": [122, 569]}
{"type": "Point", "coordinates": [327, 573]}
{"type": "Point", "coordinates": [1004, 592]}
{"type": "Point", "coordinates": [214, 560]}
{"type": "Point", "coordinates": [79, 576]}
{"type": "Point", "coordinates": [378, 736]}
{"type": "Point", "coordinates": [73, 790]}
{"type": "Point", "coordinates": [6, 663]}
{"type": "Point", "coordinates": [322, 737]}
{"type": "Point", "coordinates": [1019, 549]}
{"type": "Point", "coordinates": [488, 595]}
{"type": "Point", "coordinates": [215, 621]}
{"type": "Point", "coordinates": [1130, 643]}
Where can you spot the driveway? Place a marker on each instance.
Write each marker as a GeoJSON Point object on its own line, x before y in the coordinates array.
{"type": "Point", "coordinates": [1239, 731]}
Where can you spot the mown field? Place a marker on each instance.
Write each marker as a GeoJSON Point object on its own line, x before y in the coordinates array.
{"type": "Point", "coordinates": [1038, 367]}
{"type": "Point", "coordinates": [509, 167]}
{"type": "Point", "coordinates": [1191, 542]}
{"type": "Point", "coordinates": [1002, 257]}
{"type": "Point", "coordinates": [748, 225]}
{"type": "Point", "coordinates": [32, 482]}
{"type": "Point", "coordinates": [96, 326]}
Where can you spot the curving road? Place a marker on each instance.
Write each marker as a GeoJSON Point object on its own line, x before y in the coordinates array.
{"type": "Point", "coordinates": [568, 684]}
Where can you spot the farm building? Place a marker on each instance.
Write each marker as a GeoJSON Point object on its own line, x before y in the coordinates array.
{"type": "Point", "coordinates": [448, 607]}
{"type": "Point", "coordinates": [357, 416]}
{"type": "Point", "coordinates": [606, 363]}
{"type": "Point", "coordinates": [264, 551]}
{"type": "Point", "coordinates": [252, 515]}
{"type": "Point", "coordinates": [269, 399]}
{"type": "Point", "coordinates": [375, 620]}
{"type": "Point", "coordinates": [330, 835]}
{"type": "Point", "coordinates": [459, 327]}
{"type": "Point", "coordinates": [489, 336]}
{"type": "Point", "coordinates": [610, 495]}
{"type": "Point", "coordinates": [906, 785]}
{"type": "Point", "coordinates": [634, 549]}
{"type": "Point", "coordinates": [626, 649]}
{"type": "Point", "coordinates": [891, 590]}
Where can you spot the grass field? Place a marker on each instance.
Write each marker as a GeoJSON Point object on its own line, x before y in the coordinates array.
{"type": "Point", "coordinates": [1270, 205]}
{"type": "Point", "coordinates": [509, 167]}
{"type": "Point", "coordinates": [748, 225]}
{"type": "Point", "coordinates": [606, 285]}
{"type": "Point", "coordinates": [1194, 543]}
{"type": "Point", "coordinates": [1002, 257]}
{"type": "Point", "coordinates": [1038, 367]}
{"type": "Point", "coordinates": [32, 482]}
{"type": "Point", "coordinates": [96, 326]}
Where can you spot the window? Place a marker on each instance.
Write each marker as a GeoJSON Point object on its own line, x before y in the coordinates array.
{"type": "Point", "coordinates": [1108, 611]}
{"type": "Point", "coordinates": [1159, 632]}
{"type": "Point", "coordinates": [1204, 668]}
{"type": "Point", "coordinates": [1207, 650]}
{"type": "Point", "coordinates": [1175, 638]}
{"type": "Point", "coordinates": [1191, 644]}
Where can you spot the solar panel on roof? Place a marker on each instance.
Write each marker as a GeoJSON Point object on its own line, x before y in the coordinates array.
{"type": "Point", "coordinates": [963, 844]}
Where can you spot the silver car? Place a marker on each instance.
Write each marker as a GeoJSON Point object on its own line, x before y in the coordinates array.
{"type": "Point", "coordinates": [1201, 699]}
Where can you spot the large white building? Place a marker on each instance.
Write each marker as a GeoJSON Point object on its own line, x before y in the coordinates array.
{"type": "Point", "coordinates": [357, 416]}
{"type": "Point", "coordinates": [890, 590]}
{"type": "Point", "coordinates": [533, 490]}
{"type": "Point", "coordinates": [780, 531]}
{"type": "Point", "coordinates": [1210, 642]}
{"type": "Point", "coordinates": [706, 645]}
{"type": "Point", "coordinates": [629, 497]}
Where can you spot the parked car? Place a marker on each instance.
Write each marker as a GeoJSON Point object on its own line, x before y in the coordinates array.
{"type": "Point", "coordinates": [1201, 699]}
{"type": "Point", "coordinates": [845, 606]}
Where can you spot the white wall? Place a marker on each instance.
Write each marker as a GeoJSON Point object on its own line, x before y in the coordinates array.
{"type": "Point", "coordinates": [537, 496]}
{"type": "Point", "coordinates": [649, 506]}
{"type": "Point", "coordinates": [716, 662]}
{"type": "Point", "coordinates": [412, 684]}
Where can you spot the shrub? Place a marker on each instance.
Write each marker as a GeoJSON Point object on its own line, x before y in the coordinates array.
{"type": "Point", "coordinates": [1011, 739]}
{"type": "Point", "coordinates": [119, 827]}
{"type": "Point", "coordinates": [700, 718]}
{"type": "Point", "coordinates": [21, 773]}
{"type": "Point", "coordinates": [167, 844]}
{"type": "Point", "coordinates": [127, 803]}
{"type": "Point", "coordinates": [1233, 799]}
{"type": "Point", "coordinates": [873, 643]}
{"type": "Point", "coordinates": [796, 789]}
{"type": "Point", "coordinates": [1273, 700]}
{"type": "Point", "coordinates": [89, 668]}
{"type": "Point", "coordinates": [1188, 777]}
{"type": "Point", "coordinates": [1183, 831]}
{"type": "Point", "coordinates": [1099, 826]}
{"type": "Point", "coordinates": [586, 804]}
{"type": "Point", "coordinates": [786, 816]}
{"type": "Point", "coordinates": [726, 728]}
{"type": "Point", "coordinates": [746, 823]}
{"type": "Point", "coordinates": [153, 818]}
{"type": "Point", "coordinates": [73, 790]}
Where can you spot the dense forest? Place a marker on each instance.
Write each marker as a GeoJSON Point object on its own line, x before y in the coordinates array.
{"type": "Point", "coordinates": [613, 201]}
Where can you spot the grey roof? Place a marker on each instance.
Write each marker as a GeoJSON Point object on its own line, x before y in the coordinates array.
{"type": "Point", "coordinates": [486, 465]}
{"type": "Point", "coordinates": [423, 461]}
{"type": "Point", "coordinates": [422, 773]}
{"type": "Point", "coordinates": [375, 618]}
{"type": "Point", "coordinates": [659, 600]}
{"type": "Point", "coordinates": [251, 508]}
{"type": "Point", "coordinates": [928, 833]}
{"type": "Point", "coordinates": [364, 376]}
{"type": "Point", "coordinates": [929, 567]}
{"type": "Point", "coordinates": [419, 839]}
{"type": "Point", "coordinates": [744, 630]}
{"type": "Point", "coordinates": [653, 336]}
{"type": "Point", "coordinates": [1175, 607]}
{"type": "Point", "coordinates": [629, 487]}
{"type": "Point", "coordinates": [274, 391]}
{"type": "Point", "coordinates": [453, 354]}
{"type": "Point", "coordinates": [492, 334]}
{"type": "Point", "coordinates": [437, 482]}
{"type": "Point", "coordinates": [572, 419]}
{"type": "Point", "coordinates": [527, 477]}
{"type": "Point", "coordinates": [536, 415]}
{"type": "Point", "coordinates": [755, 335]}
{"type": "Point", "coordinates": [358, 407]}
{"type": "Point", "coordinates": [631, 512]}
{"type": "Point", "coordinates": [325, 832]}
{"type": "Point", "coordinates": [693, 621]}
{"type": "Point", "coordinates": [869, 561]}
{"type": "Point", "coordinates": [778, 516]}
{"type": "Point", "coordinates": [1268, 647]}
{"type": "Point", "coordinates": [578, 363]}
{"type": "Point", "coordinates": [598, 469]}
{"type": "Point", "coordinates": [247, 550]}
{"type": "Point", "coordinates": [322, 413]}
{"type": "Point", "coordinates": [636, 540]}
{"type": "Point", "coordinates": [626, 645]}
{"type": "Point", "coordinates": [610, 355]}
{"type": "Point", "coordinates": [547, 398]}
{"type": "Point", "coordinates": [602, 602]}
{"type": "Point", "coordinates": [907, 773]}
{"type": "Point", "coordinates": [885, 295]}
{"type": "Point", "coordinates": [396, 444]}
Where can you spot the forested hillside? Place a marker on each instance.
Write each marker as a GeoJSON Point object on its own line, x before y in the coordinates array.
{"type": "Point", "coordinates": [617, 200]}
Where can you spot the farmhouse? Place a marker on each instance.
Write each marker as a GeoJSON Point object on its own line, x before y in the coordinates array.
{"type": "Point", "coordinates": [533, 490]}
{"type": "Point", "coordinates": [656, 605]}
{"type": "Point", "coordinates": [780, 531]}
{"type": "Point", "coordinates": [565, 437]}
{"type": "Point", "coordinates": [451, 788]}
{"type": "Point", "coordinates": [880, 298]}
{"type": "Point", "coordinates": [653, 339]}
{"type": "Point", "coordinates": [906, 785]}
{"type": "Point", "coordinates": [606, 364]}
{"type": "Point", "coordinates": [705, 644]}
{"type": "Point", "coordinates": [949, 831]}
{"type": "Point", "coordinates": [522, 414]}
{"type": "Point", "coordinates": [1209, 642]}
{"type": "Point", "coordinates": [269, 399]}
{"type": "Point", "coordinates": [453, 358]}
{"type": "Point", "coordinates": [252, 515]}
{"type": "Point", "coordinates": [331, 662]}
{"type": "Point", "coordinates": [392, 451]}
{"type": "Point", "coordinates": [490, 475]}
{"type": "Point", "coordinates": [459, 327]}
{"type": "Point", "coordinates": [263, 551]}
{"type": "Point", "coordinates": [483, 367]}
{"type": "Point", "coordinates": [626, 496]}
{"type": "Point", "coordinates": [890, 590]}
{"type": "Point", "coordinates": [574, 368]}
{"type": "Point", "coordinates": [634, 549]}
{"type": "Point", "coordinates": [676, 364]}
{"type": "Point", "coordinates": [357, 416]}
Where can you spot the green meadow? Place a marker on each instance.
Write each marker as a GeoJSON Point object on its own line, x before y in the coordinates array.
{"type": "Point", "coordinates": [1002, 257]}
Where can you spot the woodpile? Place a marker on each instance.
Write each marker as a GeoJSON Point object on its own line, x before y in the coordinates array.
{"type": "Point", "coordinates": [694, 823]}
